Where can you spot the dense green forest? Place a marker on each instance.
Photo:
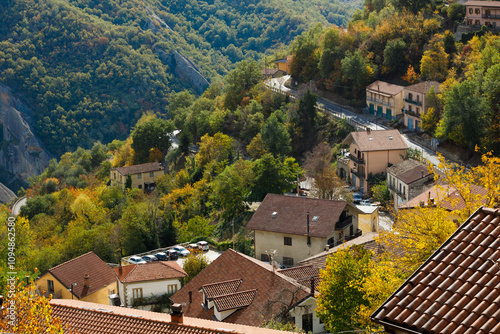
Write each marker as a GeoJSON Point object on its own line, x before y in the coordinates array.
{"type": "Point", "coordinates": [90, 69]}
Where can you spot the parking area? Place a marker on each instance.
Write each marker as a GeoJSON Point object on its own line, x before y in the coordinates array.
{"type": "Point", "coordinates": [211, 254]}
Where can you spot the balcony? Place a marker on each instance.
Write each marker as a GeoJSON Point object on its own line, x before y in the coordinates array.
{"type": "Point", "coordinates": [418, 103]}
{"type": "Point", "coordinates": [490, 16]}
{"type": "Point", "coordinates": [342, 224]}
{"type": "Point", "coordinates": [360, 175]}
{"type": "Point", "coordinates": [357, 159]}
{"type": "Point", "coordinates": [412, 113]}
{"type": "Point", "coordinates": [388, 103]}
{"type": "Point", "coordinates": [355, 235]}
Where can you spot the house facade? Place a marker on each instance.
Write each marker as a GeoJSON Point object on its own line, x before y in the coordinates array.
{"type": "Point", "coordinates": [86, 278]}
{"type": "Point", "coordinates": [284, 64]}
{"type": "Point", "coordinates": [407, 180]}
{"type": "Point", "coordinates": [483, 13]}
{"type": "Point", "coordinates": [291, 228]}
{"type": "Point", "coordinates": [415, 104]}
{"type": "Point", "coordinates": [384, 99]}
{"type": "Point", "coordinates": [138, 282]}
{"type": "Point", "coordinates": [371, 152]}
{"type": "Point", "coordinates": [142, 176]}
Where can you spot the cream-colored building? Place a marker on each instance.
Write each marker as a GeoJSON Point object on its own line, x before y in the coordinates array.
{"type": "Point", "coordinates": [483, 13]}
{"type": "Point", "coordinates": [384, 99]}
{"type": "Point", "coordinates": [142, 176]}
{"type": "Point", "coordinates": [292, 228]}
{"type": "Point", "coordinates": [371, 152]}
{"type": "Point", "coordinates": [86, 278]}
{"type": "Point", "coordinates": [368, 218]}
{"type": "Point", "coordinates": [415, 104]}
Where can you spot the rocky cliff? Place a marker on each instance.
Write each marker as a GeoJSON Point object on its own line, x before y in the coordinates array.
{"type": "Point", "coordinates": [21, 153]}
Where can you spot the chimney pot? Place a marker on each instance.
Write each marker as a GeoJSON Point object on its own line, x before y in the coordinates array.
{"type": "Point", "coordinates": [176, 315]}
{"type": "Point", "coordinates": [86, 280]}
{"type": "Point", "coordinates": [312, 286]}
{"type": "Point", "coordinates": [190, 297]}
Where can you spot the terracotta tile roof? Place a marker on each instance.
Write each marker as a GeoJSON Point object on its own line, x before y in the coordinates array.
{"type": "Point", "coordinates": [156, 270]}
{"type": "Point", "coordinates": [91, 318]}
{"type": "Point", "coordinates": [456, 289]}
{"type": "Point", "coordinates": [424, 87]}
{"type": "Point", "coordinates": [234, 300]}
{"type": "Point", "coordinates": [300, 273]}
{"type": "Point", "coordinates": [270, 71]}
{"type": "Point", "coordinates": [73, 271]}
{"type": "Point", "coordinates": [444, 196]}
{"type": "Point", "coordinates": [143, 168]}
{"type": "Point", "coordinates": [221, 288]}
{"type": "Point", "coordinates": [385, 88]}
{"type": "Point", "coordinates": [367, 240]}
{"type": "Point", "coordinates": [483, 3]}
{"type": "Point", "coordinates": [378, 140]}
{"type": "Point", "coordinates": [291, 215]}
{"type": "Point", "coordinates": [254, 275]}
{"type": "Point", "coordinates": [409, 171]}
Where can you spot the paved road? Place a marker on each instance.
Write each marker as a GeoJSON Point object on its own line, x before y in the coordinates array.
{"type": "Point", "coordinates": [357, 120]}
{"type": "Point", "coordinates": [16, 208]}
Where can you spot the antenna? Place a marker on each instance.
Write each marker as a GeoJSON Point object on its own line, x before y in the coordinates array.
{"type": "Point", "coordinates": [271, 255]}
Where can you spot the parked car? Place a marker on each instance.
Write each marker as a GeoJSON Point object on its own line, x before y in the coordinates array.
{"type": "Point", "coordinates": [172, 254]}
{"type": "Point", "coordinates": [203, 246]}
{"type": "Point", "coordinates": [365, 202]}
{"type": "Point", "coordinates": [161, 256]}
{"type": "Point", "coordinates": [356, 198]}
{"type": "Point", "coordinates": [149, 258]}
{"type": "Point", "coordinates": [135, 260]}
{"type": "Point", "coordinates": [181, 250]}
{"type": "Point", "coordinates": [194, 248]}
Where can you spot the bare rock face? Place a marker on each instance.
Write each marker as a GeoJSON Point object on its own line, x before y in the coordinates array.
{"type": "Point", "coordinates": [21, 153]}
{"type": "Point", "coordinates": [6, 195]}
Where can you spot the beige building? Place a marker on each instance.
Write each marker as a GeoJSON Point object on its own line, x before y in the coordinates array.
{"type": "Point", "coordinates": [370, 153]}
{"type": "Point", "coordinates": [142, 176]}
{"type": "Point", "coordinates": [86, 278]}
{"type": "Point", "coordinates": [384, 99]}
{"type": "Point", "coordinates": [483, 13]}
{"type": "Point", "coordinates": [368, 218]}
{"type": "Point", "coordinates": [295, 228]}
{"type": "Point", "coordinates": [415, 104]}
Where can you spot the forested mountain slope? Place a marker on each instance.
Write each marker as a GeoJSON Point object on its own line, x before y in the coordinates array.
{"type": "Point", "coordinates": [89, 68]}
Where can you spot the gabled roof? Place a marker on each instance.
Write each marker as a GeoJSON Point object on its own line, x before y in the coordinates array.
{"type": "Point", "coordinates": [424, 87]}
{"type": "Point", "coordinates": [288, 214]}
{"type": "Point", "coordinates": [456, 289]}
{"type": "Point", "coordinates": [91, 318]}
{"type": "Point", "coordinates": [221, 288]}
{"type": "Point", "coordinates": [73, 271]}
{"type": "Point", "coordinates": [272, 289]}
{"type": "Point", "coordinates": [409, 171]}
{"type": "Point", "coordinates": [300, 273]}
{"type": "Point", "coordinates": [367, 240]}
{"type": "Point", "coordinates": [385, 88]}
{"type": "Point", "coordinates": [446, 197]}
{"type": "Point", "coordinates": [234, 300]}
{"type": "Point", "coordinates": [143, 168]}
{"type": "Point", "coordinates": [378, 140]}
{"type": "Point", "coordinates": [151, 271]}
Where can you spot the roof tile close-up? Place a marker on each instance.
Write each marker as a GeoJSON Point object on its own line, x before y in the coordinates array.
{"type": "Point", "coordinates": [156, 270]}
{"type": "Point", "coordinates": [456, 289]}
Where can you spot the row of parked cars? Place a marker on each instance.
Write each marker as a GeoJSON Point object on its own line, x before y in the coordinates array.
{"type": "Point", "coordinates": [171, 254]}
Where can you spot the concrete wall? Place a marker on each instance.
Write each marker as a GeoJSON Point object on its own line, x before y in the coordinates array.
{"type": "Point", "coordinates": [141, 179]}
{"type": "Point", "coordinates": [307, 307]}
{"type": "Point", "coordinates": [149, 289]}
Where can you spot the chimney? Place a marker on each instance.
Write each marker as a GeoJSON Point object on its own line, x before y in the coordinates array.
{"type": "Point", "coordinates": [176, 315]}
{"type": "Point", "coordinates": [120, 269]}
{"type": "Point", "coordinates": [308, 236]}
{"type": "Point", "coordinates": [368, 130]}
{"type": "Point", "coordinates": [86, 280]}
{"type": "Point", "coordinates": [190, 297]}
{"type": "Point", "coordinates": [429, 198]}
{"type": "Point", "coordinates": [312, 286]}
{"type": "Point", "coordinates": [422, 173]}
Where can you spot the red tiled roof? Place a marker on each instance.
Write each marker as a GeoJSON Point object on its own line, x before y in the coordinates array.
{"type": "Point", "coordinates": [91, 318]}
{"type": "Point", "coordinates": [376, 140]}
{"type": "Point", "coordinates": [385, 88]}
{"type": "Point", "coordinates": [291, 215]}
{"type": "Point", "coordinates": [409, 171]}
{"type": "Point", "coordinates": [156, 270]}
{"type": "Point", "coordinates": [221, 288]}
{"type": "Point", "coordinates": [483, 3]}
{"type": "Point", "coordinates": [255, 275]}
{"type": "Point", "coordinates": [456, 289]}
{"type": "Point", "coordinates": [444, 196]}
{"type": "Point", "coordinates": [234, 300]}
{"type": "Point", "coordinates": [424, 87]}
{"type": "Point", "coordinates": [73, 271]}
{"type": "Point", "coordinates": [143, 168]}
{"type": "Point", "coordinates": [300, 273]}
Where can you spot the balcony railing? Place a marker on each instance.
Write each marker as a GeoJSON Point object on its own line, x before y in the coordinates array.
{"type": "Point", "coordinates": [355, 235]}
{"type": "Point", "coordinates": [380, 102]}
{"type": "Point", "coordinates": [418, 103]}
{"type": "Point", "coordinates": [356, 159]}
{"type": "Point", "coordinates": [412, 113]}
{"type": "Point", "coordinates": [342, 224]}
{"type": "Point", "coordinates": [490, 16]}
{"type": "Point", "coordinates": [358, 174]}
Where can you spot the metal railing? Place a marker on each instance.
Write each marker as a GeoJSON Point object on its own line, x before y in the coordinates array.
{"type": "Point", "coordinates": [358, 174]}
{"type": "Point", "coordinates": [418, 103]}
{"type": "Point", "coordinates": [356, 160]}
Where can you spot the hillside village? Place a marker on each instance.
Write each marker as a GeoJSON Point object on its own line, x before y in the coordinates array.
{"type": "Point", "coordinates": [348, 185]}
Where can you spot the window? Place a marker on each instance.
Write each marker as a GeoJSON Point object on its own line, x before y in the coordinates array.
{"type": "Point", "coordinates": [287, 261]}
{"type": "Point", "coordinates": [478, 11]}
{"type": "Point", "coordinates": [410, 96]}
{"type": "Point", "coordinates": [114, 176]}
{"type": "Point", "coordinates": [470, 11]}
{"type": "Point", "coordinates": [478, 23]}
{"type": "Point", "coordinates": [50, 286]}
{"type": "Point", "coordinates": [140, 186]}
{"type": "Point", "coordinates": [171, 289]}
{"type": "Point", "coordinates": [151, 174]}
{"type": "Point", "coordinates": [139, 176]}
{"type": "Point", "coordinates": [418, 98]}
{"type": "Point", "coordinates": [264, 257]}
{"type": "Point", "coordinates": [137, 293]}
{"type": "Point", "coordinates": [288, 241]}
{"type": "Point", "coordinates": [418, 111]}
{"type": "Point", "coordinates": [351, 230]}
{"type": "Point", "coordinates": [307, 322]}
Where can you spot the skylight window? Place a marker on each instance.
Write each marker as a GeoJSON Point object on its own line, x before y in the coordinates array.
{"type": "Point", "coordinates": [315, 218]}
